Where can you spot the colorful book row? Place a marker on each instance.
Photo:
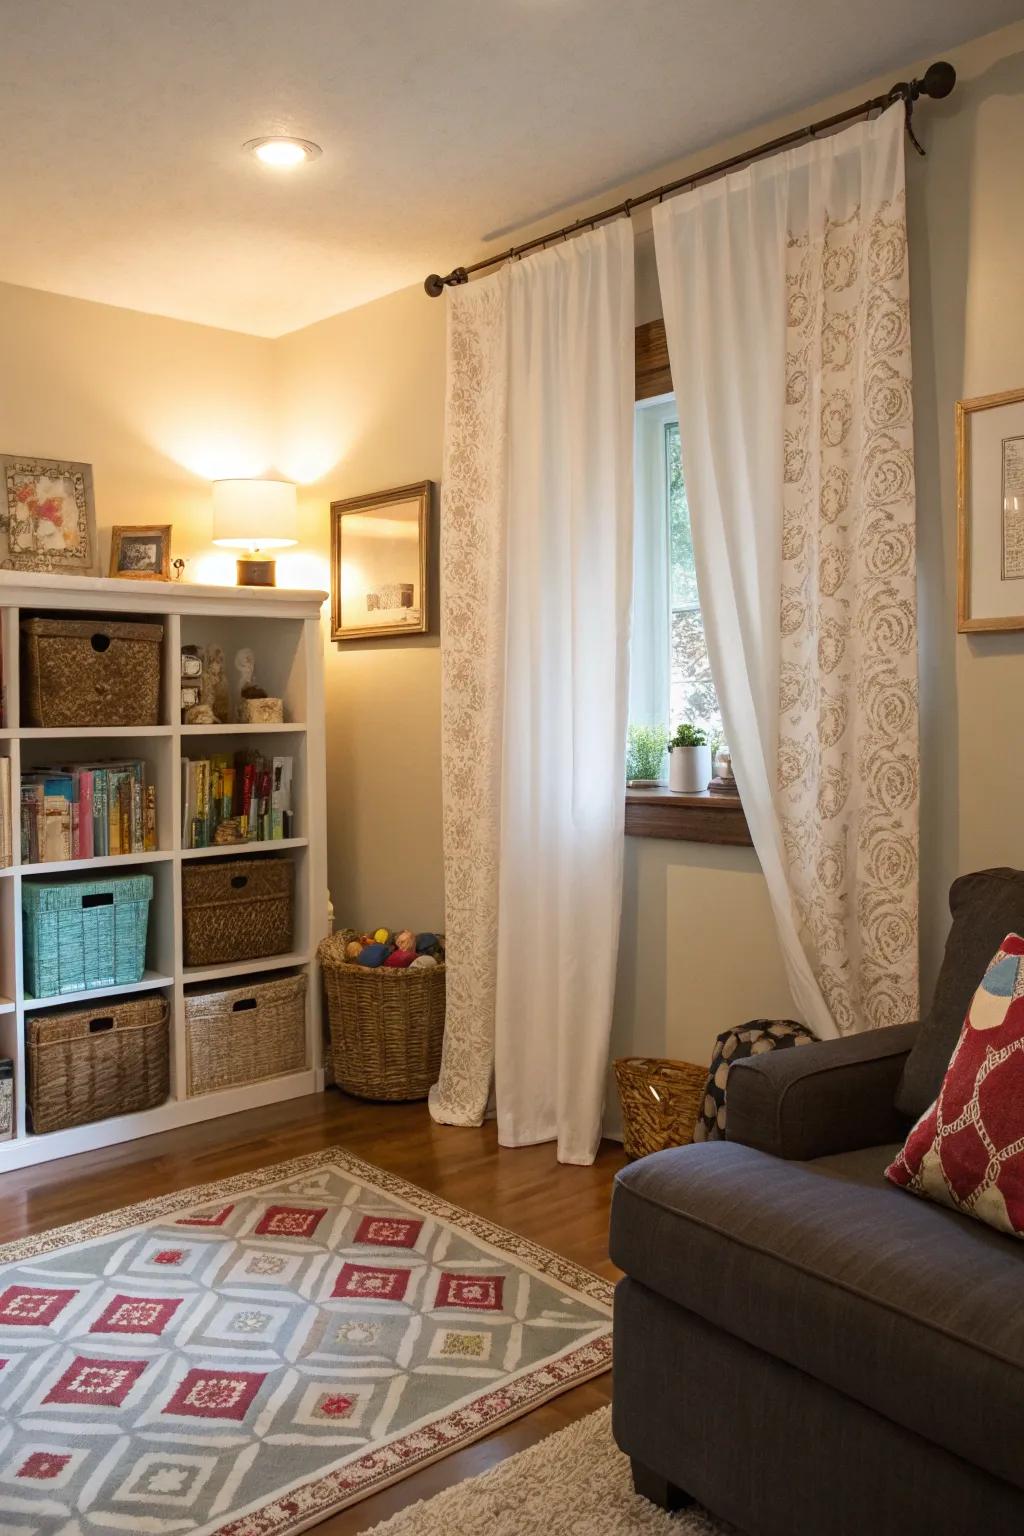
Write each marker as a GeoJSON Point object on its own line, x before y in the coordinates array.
{"type": "Point", "coordinates": [250, 789]}
{"type": "Point", "coordinates": [87, 810]}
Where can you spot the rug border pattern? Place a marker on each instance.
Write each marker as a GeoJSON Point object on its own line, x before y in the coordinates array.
{"type": "Point", "coordinates": [543, 1260]}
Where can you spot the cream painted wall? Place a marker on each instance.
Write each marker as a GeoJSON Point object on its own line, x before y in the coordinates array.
{"type": "Point", "coordinates": [361, 408]}
{"type": "Point", "coordinates": [158, 407]}
{"type": "Point", "coordinates": [356, 404]}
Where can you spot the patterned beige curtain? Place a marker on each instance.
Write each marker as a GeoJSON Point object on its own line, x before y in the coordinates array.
{"type": "Point", "coordinates": [787, 313]}
{"type": "Point", "coordinates": [848, 733]}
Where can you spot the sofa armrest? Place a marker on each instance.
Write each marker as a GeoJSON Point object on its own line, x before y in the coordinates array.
{"type": "Point", "coordinates": [813, 1100]}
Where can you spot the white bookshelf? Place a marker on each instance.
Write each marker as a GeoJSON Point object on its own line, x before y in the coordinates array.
{"type": "Point", "coordinates": [283, 628]}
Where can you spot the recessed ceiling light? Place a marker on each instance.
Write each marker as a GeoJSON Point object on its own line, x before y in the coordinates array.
{"type": "Point", "coordinates": [283, 153]}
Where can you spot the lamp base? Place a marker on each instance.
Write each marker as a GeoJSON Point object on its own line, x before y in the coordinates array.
{"type": "Point", "coordinates": [252, 572]}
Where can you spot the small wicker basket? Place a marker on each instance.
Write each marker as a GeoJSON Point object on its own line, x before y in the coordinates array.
{"type": "Point", "coordinates": [660, 1102]}
{"type": "Point", "coordinates": [90, 672]}
{"type": "Point", "coordinates": [237, 909]}
{"type": "Point", "coordinates": [236, 1035]}
{"type": "Point", "coordinates": [386, 1025]}
{"type": "Point", "coordinates": [86, 1064]}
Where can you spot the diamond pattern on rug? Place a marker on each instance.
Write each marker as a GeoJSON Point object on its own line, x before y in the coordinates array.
{"type": "Point", "coordinates": [277, 1345]}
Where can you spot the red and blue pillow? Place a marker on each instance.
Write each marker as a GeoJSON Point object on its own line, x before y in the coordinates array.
{"type": "Point", "coordinates": [967, 1150]}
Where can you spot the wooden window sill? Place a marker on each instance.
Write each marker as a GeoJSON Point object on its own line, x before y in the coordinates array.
{"type": "Point", "coordinates": [697, 818]}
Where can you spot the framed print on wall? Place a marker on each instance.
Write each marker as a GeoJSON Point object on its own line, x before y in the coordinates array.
{"type": "Point", "coordinates": [379, 564]}
{"type": "Point", "coordinates": [141, 554]}
{"type": "Point", "coordinates": [990, 512]}
{"type": "Point", "coordinates": [47, 517]}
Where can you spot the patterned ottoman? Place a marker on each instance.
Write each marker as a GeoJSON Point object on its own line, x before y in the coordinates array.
{"type": "Point", "coordinates": [751, 1039]}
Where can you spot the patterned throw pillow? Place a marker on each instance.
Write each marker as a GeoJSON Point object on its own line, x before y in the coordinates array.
{"type": "Point", "coordinates": [967, 1151]}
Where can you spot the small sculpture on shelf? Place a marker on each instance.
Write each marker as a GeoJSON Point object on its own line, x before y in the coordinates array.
{"type": "Point", "coordinates": [229, 831]}
{"type": "Point", "coordinates": [254, 706]}
{"type": "Point", "coordinates": [214, 692]}
{"type": "Point", "coordinates": [200, 714]}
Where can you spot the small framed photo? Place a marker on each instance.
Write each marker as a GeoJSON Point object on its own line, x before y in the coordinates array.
{"type": "Point", "coordinates": [379, 577]}
{"type": "Point", "coordinates": [48, 516]}
{"type": "Point", "coordinates": [141, 554]}
{"type": "Point", "coordinates": [990, 512]}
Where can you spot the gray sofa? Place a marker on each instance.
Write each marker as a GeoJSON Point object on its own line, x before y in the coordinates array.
{"type": "Point", "coordinates": [800, 1346]}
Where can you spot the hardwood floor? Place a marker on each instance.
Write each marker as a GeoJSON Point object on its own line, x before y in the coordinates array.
{"type": "Point", "coordinates": [525, 1189]}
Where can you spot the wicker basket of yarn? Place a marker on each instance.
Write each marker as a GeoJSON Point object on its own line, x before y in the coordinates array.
{"type": "Point", "coordinates": [386, 1024]}
{"type": "Point", "coordinates": [660, 1102]}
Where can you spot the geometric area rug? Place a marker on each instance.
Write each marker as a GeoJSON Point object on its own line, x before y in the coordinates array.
{"type": "Point", "coordinates": [248, 1357]}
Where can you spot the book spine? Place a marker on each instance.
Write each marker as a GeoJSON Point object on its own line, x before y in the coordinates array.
{"type": "Point", "coordinates": [248, 776]}
{"type": "Point", "coordinates": [85, 815]}
{"type": "Point", "coordinates": [100, 819]}
{"type": "Point", "coordinates": [150, 838]}
{"type": "Point", "coordinates": [138, 810]}
{"type": "Point", "coordinates": [76, 818]}
{"type": "Point", "coordinates": [124, 813]}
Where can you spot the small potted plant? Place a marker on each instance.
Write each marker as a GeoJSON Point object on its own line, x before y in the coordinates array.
{"type": "Point", "coordinates": [645, 754]}
{"type": "Point", "coordinates": [689, 760]}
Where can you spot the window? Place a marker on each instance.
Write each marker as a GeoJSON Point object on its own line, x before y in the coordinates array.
{"type": "Point", "coordinates": [670, 675]}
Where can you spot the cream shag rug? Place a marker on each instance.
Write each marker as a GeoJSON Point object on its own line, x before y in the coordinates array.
{"type": "Point", "coordinates": [575, 1483]}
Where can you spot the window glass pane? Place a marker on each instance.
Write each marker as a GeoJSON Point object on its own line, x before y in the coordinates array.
{"type": "Point", "coordinates": [684, 577]}
{"type": "Point", "coordinates": [693, 696]}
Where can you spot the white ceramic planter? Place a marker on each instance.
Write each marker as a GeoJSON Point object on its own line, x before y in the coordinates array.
{"type": "Point", "coordinates": [689, 769]}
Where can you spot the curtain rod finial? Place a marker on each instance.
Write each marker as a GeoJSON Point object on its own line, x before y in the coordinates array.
{"type": "Point", "coordinates": [433, 286]}
{"type": "Point", "coordinates": [939, 79]}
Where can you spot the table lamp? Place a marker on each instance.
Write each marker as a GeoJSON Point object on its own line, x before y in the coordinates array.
{"type": "Point", "coordinates": [254, 515]}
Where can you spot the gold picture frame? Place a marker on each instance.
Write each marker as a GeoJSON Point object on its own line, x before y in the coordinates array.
{"type": "Point", "coordinates": [141, 553]}
{"type": "Point", "coordinates": [990, 513]}
{"type": "Point", "coordinates": [48, 516]}
{"type": "Point", "coordinates": [379, 564]}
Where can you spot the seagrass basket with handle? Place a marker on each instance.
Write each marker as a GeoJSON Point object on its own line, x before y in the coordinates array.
{"type": "Point", "coordinates": [386, 1025]}
{"type": "Point", "coordinates": [244, 1033]}
{"type": "Point", "coordinates": [86, 1064]}
{"type": "Point", "coordinates": [237, 909]}
{"type": "Point", "coordinates": [660, 1101]}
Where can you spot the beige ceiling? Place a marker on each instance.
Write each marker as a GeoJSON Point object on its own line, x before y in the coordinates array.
{"type": "Point", "coordinates": [444, 125]}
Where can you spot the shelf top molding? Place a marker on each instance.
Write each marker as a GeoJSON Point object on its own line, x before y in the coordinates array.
{"type": "Point", "coordinates": [111, 594]}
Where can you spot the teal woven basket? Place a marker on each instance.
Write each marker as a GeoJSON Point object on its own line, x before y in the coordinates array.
{"type": "Point", "coordinates": [84, 933]}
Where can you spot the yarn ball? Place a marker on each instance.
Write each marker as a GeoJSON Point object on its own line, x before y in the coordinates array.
{"type": "Point", "coordinates": [381, 935]}
{"type": "Point", "coordinates": [400, 958]}
{"type": "Point", "coordinates": [353, 950]}
{"type": "Point", "coordinates": [406, 941]}
{"type": "Point", "coordinates": [372, 954]}
{"type": "Point", "coordinates": [421, 963]}
{"type": "Point", "coordinates": [425, 942]}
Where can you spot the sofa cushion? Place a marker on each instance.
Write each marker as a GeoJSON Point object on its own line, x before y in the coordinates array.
{"type": "Point", "coordinates": [910, 1309]}
{"type": "Point", "coordinates": [967, 1150]}
{"type": "Point", "coordinates": [985, 906]}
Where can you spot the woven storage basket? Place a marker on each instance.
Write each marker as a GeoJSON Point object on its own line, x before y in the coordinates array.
{"type": "Point", "coordinates": [87, 1064]}
{"type": "Point", "coordinates": [386, 1025]}
{"type": "Point", "coordinates": [90, 672]}
{"type": "Point", "coordinates": [660, 1102]}
{"type": "Point", "coordinates": [236, 1035]}
{"type": "Point", "coordinates": [84, 933]}
{"type": "Point", "coordinates": [237, 909]}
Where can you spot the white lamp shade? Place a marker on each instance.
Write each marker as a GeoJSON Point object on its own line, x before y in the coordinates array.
{"type": "Point", "coordinates": [254, 514]}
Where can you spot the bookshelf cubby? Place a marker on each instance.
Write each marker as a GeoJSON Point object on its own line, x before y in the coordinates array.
{"type": "Point", "coordinates": [283, 629]}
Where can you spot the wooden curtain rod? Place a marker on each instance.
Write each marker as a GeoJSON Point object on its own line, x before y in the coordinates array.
{"type": "Point", "coordinates": [937, 81]}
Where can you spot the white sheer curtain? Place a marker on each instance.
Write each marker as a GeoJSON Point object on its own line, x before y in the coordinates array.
{"type": "Point", "coordinates": [785, 294]}
{"type": "Point", "coordinates": [536, 563]}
